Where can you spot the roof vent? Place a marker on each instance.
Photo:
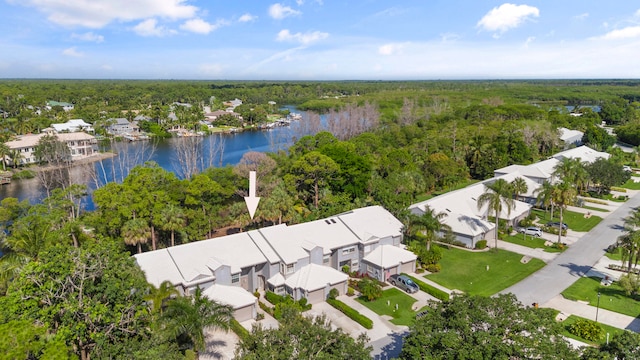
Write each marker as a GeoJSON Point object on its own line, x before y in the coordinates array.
{"type": "Point", "coordinates": [328, 222]}
{"type": "Point", "coordinates": [333, 221]}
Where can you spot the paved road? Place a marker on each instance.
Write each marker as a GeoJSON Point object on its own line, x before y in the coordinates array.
{"type": "Point", "coordinates": [564, 270]}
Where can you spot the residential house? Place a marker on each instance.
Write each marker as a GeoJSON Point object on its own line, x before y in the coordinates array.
{"type": "Point", "coordinates": [73, 125]}
{"type": "Point", "coordinates": [122, 126]}
{"type": "Point", "coordinates": [302, 260]}
{"type": "Point", "coordinates": [570, 137]}
{"type": "Point", "coordinates": [584, 153]}
{"type": "Point", "coordinates": [65, 105]}
{"type": "Point", "coordinates": [81, 145]}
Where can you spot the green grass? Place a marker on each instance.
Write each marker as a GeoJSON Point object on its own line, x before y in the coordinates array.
{"type": "Point", "coordinates": [615, 255]}
{"type": "Point", "coordinates": [632, 185]}
{"type": "Point", "coordinates": [467, 271]}
{"type": "Point", "coordinates": [575, 221]}
{"type": "Point", "coordinates": [531, 242]}
{"type": "Point", "coordinates": [595, 208]}
{"type": "Point", "coordinates": [403, 316]}
{"type": "Point", "coordinates": [612, 297]}
{"type": "Point", "coordinates": [607, 329]}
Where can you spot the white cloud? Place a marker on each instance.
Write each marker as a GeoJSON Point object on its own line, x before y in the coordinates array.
{"type": "Point", "coordinates": [72, 51]}
{"type": "Point", "coordinates": [582, 16]}
{"type": "Point", "coordinates": [88, 36]}
{"type": "Point", "coordinates": [507, 16]}
{"type": "Point", "coordinates": [529, 40]}
{"type": "Point", "coordinates": [390, 49]}
{"type": "Point", "coordinates": [625, 33]}
{"type": "Point", "coordinates": [150, 27]}
{"type": "Point", "coordinates": [247, 18]}
{"type": "Point", "coordinates": [200, 26]}
{"type": "Point", "coordinates": [279, 11]}
{"type": "Point", "coordinates": [305, 39]}
{"type": "Point", "coordinates": [98, 13]}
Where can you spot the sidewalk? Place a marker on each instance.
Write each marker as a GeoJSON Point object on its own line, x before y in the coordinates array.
{"type": "Point", "coordinates": [537, 253]}
{"type": "Point", "coordinates": [569, 307]}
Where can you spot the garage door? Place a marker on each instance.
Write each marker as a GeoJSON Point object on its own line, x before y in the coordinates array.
{"type": "Point", "coordinates": [245, 313]}
{"type": "Point", "coordinates": [341, 287]}
{"type": "Point", "coordinates": [315, 297]}
{"type": "Point", "coordinates": [408, 267]}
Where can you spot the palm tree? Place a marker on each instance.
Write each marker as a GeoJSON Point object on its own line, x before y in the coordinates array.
{"type": "Point", "coordinates": [495, 196]}
{"type": "Point", "coordinates": [545, 196]}
{"type": "Point", "coordinates": [158, 295]}
{"type": "Point", "coordinates": [15, 156]}
{"type": "Point", "coordinates": [186, 318]}
{"type": "Point", "coordinates": [573, 172]}
{"type": "Point", "coordinates": [564, 194]}
{"type": "Point", "coordinates": [4, 153]}
{"type": "Point", "coordinates": [136, 232]}
{"type": "Point", "coordinates": [429, 223]}
{"type": "Point", "coordinates": [519, 186]}
{"type": "Point", "coordinates": [629, 244]}
{"type": "Point", "coordinates": [173, 218]}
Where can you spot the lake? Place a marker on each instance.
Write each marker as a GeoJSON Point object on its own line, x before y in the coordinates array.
{"type": "Point", "coordinates": [217, 150]}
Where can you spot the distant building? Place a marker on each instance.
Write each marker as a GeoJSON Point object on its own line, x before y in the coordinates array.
{"type": "Point", "coordinates": [81, 145]}
{"type": "Point", "coordinates": [65, 105]}
{"type": "Point", "coordinates": [122, 126]}
{"type": "Point", "coordinates": [570, 137]}
{"type": "Point", "coordinates": [73, 125]}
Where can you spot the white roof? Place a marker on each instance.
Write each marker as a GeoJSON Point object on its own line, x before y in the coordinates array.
{"type": "Point", "coordinates": [467, 224]}
{"type": "Point", "coordinates": [276, 280]}
{"type": "Point", "coordinates": [360, 222]}
{"type": "Point", "coordinates": [329, 233]}
{"type": "Point", "coordinates": [158, 267]}
{"type": "Point", "coordinates": [235, 296]}
{"type": "Point", "coordinates": [532, 186]}
{"type": "Point", "coordinates": [287, 247]}
{"type": "Point", "coordinates": [387, 256]}
{"type": "Point", "coordinates": [584, 153]}
{"type": "Point", "coordinates": [71, 125]}
{"type": "Point", "coordinates": [263, 246]}
{"type": "Point", "coordinates": [540, 170]}
{"type": "Point", "coordinates": [313, 277]}
{"type": "Point", "coordinates": [567, 134]}
{"type": "Point", "coordinates": [31, 140]}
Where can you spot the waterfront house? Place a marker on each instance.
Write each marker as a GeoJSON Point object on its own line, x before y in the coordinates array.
{"type": "Point", "coordinates": [121, 127]}
{"type": "Point", "coordinates": [81, 145]}
{"type": "Point", "coordinates": [73, 125]}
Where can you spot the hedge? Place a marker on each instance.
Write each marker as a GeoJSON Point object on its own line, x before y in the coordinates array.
{"type": "Point", "coordinates": [238, 329]}
{"type": "Point", "coordinates": [351, 313]}
{"type": "Point", "coordinates": [431, 290]}
{"type": "Point", "coordinates": [274, 298]}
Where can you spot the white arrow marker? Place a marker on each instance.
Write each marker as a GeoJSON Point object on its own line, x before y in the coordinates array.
{"type": "Point", "coordinates": [252, 200]}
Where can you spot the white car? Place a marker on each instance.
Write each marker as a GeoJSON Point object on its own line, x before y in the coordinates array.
{"type": "Point", "coordinates": [532, 230]}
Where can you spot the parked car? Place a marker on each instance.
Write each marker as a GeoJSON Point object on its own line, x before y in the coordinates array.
{"type": "Point", "coordinates": [556, 224]}
{"type": "Point", "coordinates": [404, 283]}
{"type": "Point", "coordinates": [532, 230]}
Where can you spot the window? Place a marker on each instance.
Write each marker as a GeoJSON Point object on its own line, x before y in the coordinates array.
{"type": "Point", "coordinates": [355, 266]}
{"type": "Point", "coordinates": [326, 259]}
{"type": "Point", "coordinates": [290, 268]}
{"type": "Point", "coordinates": [235, 278]}
{"type": "Point", "coordinates": [348, 250]}
{"type": "Point", "coordinates": [369, 268]}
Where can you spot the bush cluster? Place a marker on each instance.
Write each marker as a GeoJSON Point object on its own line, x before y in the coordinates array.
{"type": "Point", "coordinates": [351, 313]}
{"type": "Point", "coordinates": [586, 329]}
{"type": "Point", "coordinates": [481, 244]}
{"type": "Point", "coordinates": [239, 329]}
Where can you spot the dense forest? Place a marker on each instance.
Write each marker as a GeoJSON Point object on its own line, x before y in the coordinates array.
{"type": "Point", "coordinates": [69, 283]}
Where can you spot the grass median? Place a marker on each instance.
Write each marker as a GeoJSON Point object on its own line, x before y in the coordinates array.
{"type": "Point", "coordinates": [612, 297]}
{"type": "Point", "coordinates": [394, 303]}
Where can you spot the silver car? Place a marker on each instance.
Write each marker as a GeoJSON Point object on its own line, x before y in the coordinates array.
{"type": "Point", "coordinates": [532, 230]}
{"type": "Point", "coordinates": [404, 283]}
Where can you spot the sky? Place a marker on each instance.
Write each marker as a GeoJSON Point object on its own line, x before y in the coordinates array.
{"type": "Point", "coordinates": [319, 39]}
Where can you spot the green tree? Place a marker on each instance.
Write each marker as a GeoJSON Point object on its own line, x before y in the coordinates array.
{"type": "Point", "coordinates": [22, 339]}
{"type": "Point", "coordinates": [159, 295]}
{"type": "Point", "coordinates": [544, 196]}
{"type": "Point", "coordinates": [519, 187]}
{"type": "Point", "coordinates": [136, 232]}
{"type": "Point", "coordinates": [5, 153]}
{"type": "Point", "coordinates": [497, 195]}
{"type": "Point", "coordinates": [185, 319]}
{"type": "Point", "coordinates": [429, 223]}
{"type": "Point", "coordinates": [564, 194]}
{"type": "Point", "coordinates": [299, 337]}
{"type": "Point", "coordinates": [313, 170]}
{"type": "Point", "coordinates": [606, 173]}
{"type": "Point", "coordinates": [486, 328]}
{"type": "Point", "coordinates": [172, 218]}
{"type": "Point", "coordinates": [370, 288]}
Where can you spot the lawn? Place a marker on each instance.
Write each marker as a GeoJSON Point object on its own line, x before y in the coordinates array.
{"type": "Point", "coordinates": [632, 185]}
{"type": "Point", "coordinates": [575, 221]}
{"type": "Point", "coordinates": [467, 271]}
{"type": "Point", "coordinates": [612, 297]}
{"type": "Point", "coordinates": [594, 208]}
{"type": "Point", "coordinates": [615, 255]}
{"type": "Point", "coordinates": [403, 316]}
{"type": "Point", "coordinates": [531, 241]}
{"type": "Point", "coordinates": [607, 329]}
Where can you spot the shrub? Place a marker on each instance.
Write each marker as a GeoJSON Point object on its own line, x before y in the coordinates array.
{"type": "Point", "coordinates": [274, 298]}
{"type": "Point", "coordinates": [370, 289]}
{"type": "Point", "coordinates": [256, 294]}
{"type": "Point", "coordinates": [345, 269]}
{"type": "Point", "coordinates": [433, 268]}
{"type": "Point", "coordinates": [333, 293]}
{"type": "Point", "coordinates": [351, 313]}
{"type": "Point", "coordinates": [586, 329]}
{"type": "Point", "coordinates": [618, 189]}
{"type": "Point", "coordinates": [481, 244]}
{"type": "Point", "coordinates": [260, 316]}
{"type": "Point", "coordinates": [431, 290]}
{"type": "Point", "coordinates": [350, 291]}
{"type": "Point", "coordinates": [601, 202]}
{"type": "Point", "coordinates": [266, 308]}
{"type": "Point", "coordinates": [24, 174]}
{"type": "Point", "coordinates": [630, 283]}
{"type": "Point", "coordinates": [239, 329]}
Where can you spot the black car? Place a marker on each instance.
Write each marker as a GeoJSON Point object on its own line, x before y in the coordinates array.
{"type": "Point", "coordinates": [404, 283]}
{"type": "Point", "coordinates": [556, 224]}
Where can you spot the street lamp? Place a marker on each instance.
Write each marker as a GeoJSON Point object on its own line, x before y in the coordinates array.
{"type": "Point", "coordinates": [598, 306]}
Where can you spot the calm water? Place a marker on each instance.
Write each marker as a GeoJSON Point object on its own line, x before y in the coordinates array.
{"type": "Point", "coordinates": [164, 153]}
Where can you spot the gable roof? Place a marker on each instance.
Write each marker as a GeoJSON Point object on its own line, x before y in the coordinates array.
{"type": "Point", "coordinates": [359, 221]}
{"type": "Point", "coordinates": [584, 153]}
{"type": "Point", "coordinates": [386, 256]}
{"type": "Point", "coordinates": [313, 277]}
{"type": "Point", "coordinates": [235, 296]}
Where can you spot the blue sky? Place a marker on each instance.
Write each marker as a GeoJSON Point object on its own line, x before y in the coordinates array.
{"type": "Point", "coordinates": [319, 39]}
